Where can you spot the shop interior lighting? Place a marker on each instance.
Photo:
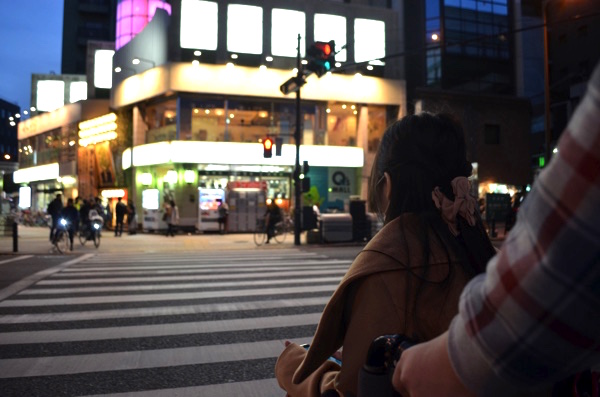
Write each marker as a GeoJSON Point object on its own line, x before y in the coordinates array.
{"type": "Point", "coordinates": [189, 176]}
{"type": "Point", "coordinates": [435, 37]}
{"type": "Point", "coordinates": [171, 176]}
{"type": "Point", "coordinates": [32, 108]}
{"type": "Point", "coordinates": [197, 53]}
{"type": "Point", "coordinates": [7, 156]}
{"type": "Point", "coordinates": [18, 115]}
{"type": "Point", "coordinates": [234, 56]}
{"type": "Point", "coordinates": [146, 179]}
{"type": "Point", "coordinates": [369, 67]}
{"type": "Point", "coordinates": [113, 193]}
{"type": "Point", "coordinates": [230, 65]}
{"type": "Point", "coordinates": [195, 62]}
{"type": "Point", "coordinates": [207, 111]}
{"type": "Point", "coordinates": [262, 68]}
{"type": "Point", "coordinates": [269, 59]}
{"type": "Point", "coordinates": [11, 118]}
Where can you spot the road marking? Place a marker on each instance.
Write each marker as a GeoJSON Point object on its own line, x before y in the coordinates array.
{"type": "Point", "coordinates": [18, 258]}
{"type": "Point", "coordinates": [29, 280]}
{"type": "Point", "coordinates": [143, 331]}
{"type": "Point", "coordinates": [162, 311]}
{"type": "Point", "coordinates": [252, 388]}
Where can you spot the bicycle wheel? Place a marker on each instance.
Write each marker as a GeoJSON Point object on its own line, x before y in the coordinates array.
{"type": "Point", "coordinates": [259, 237]}
{"type": "Point", "coordinates": [96, 237]}
{"type": "Point", "coordinates": [280, 232]}
{"type": "Point", "coordinates": [82, 236]}
{"type": "Point", "coordinates": [62, 242]}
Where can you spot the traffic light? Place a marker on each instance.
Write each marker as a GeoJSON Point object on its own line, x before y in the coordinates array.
{"type": "Point", "coordinates": [321, 57]}
{"type": "Point", "coordinates": [268, 147]}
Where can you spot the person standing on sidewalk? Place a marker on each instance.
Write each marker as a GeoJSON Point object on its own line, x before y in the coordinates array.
{"type": "Point", "coordinates": [172, 218]}
{"type": "Point", "coordinates": [223, 213]}
{"type": "Point", "coordinates": [131, 217]}
{"type": "Point", "coordinates": [120, 211]}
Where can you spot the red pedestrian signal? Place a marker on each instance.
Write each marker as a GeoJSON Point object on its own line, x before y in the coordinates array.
{"type": "Point", "coordinates": [268, 147]}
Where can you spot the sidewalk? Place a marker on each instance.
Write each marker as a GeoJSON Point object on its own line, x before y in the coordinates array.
{"type": "Point", "coordinates": [35, 240]}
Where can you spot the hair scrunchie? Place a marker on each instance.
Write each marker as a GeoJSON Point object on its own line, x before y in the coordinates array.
{"type": "Point", "coordinates": [464, 204]}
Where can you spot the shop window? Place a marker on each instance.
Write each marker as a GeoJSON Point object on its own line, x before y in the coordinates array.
{"type": "Point", "coordinates": [491, 134]}
{"type": "Point", "coordinates": [161, 120]}
{"type": "Point", "coordinates": [342, 123]}
{"type": "Point", "coordinates": [376, 126]}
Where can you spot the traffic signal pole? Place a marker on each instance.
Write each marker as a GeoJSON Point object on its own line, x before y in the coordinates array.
{"type": "Point", "coordinates": [298, 188]}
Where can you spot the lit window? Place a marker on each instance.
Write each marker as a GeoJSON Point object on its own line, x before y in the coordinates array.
{"type": "Point", "coordinates": [77, 91]}
{"type": "Point", "coordinates": [244, 29]}
{"type": "Point", "coordinates": [286, 26]}
{"type": "Point", "coordinates": [332, 27]}
{"type": "Point", "coordinates": [103, 68]}
{"type": "Point", "coordinates": [50, 95]}
{"type": "Point", "coordinates": [199, 24]}
{"type": "Point", "coordinates": [369, 40]}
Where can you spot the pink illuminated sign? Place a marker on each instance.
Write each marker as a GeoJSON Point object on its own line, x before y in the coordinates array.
{"type": "Point", "coordinates": [133, 16]}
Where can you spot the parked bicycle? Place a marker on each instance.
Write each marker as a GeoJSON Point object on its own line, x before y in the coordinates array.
{"type": "Point", "coordinates": [92, 230]}
{"type": "Point", "coordinates": [60, 240]}
{"type": "Point", "coordinates": [279, 232]}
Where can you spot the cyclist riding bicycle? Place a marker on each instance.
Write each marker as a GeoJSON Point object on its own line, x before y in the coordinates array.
{"type": "Point", "coordinates": [272, 216]}
{"type": "Point", "coordinates": [71, 215]}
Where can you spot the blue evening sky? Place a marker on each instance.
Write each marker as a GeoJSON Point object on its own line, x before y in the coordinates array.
{"type": "Point", "coordinates": [31, 42]}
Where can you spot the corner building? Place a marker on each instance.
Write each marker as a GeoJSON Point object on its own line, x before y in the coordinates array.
{"type": "Point", "coordinates": [200, 86]}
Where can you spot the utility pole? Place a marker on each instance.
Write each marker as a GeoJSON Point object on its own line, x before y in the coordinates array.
{"type": "Point", "coordinates": [297, 187]}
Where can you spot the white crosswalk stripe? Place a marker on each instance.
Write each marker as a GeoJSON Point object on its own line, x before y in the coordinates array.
{"type": "Point", "coordinates": [163, 324]}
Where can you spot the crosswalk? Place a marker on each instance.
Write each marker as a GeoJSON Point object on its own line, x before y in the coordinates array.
{"type": "Point", "coordinates": [185, 324]}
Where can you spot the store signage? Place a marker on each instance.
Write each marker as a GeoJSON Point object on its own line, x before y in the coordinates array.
{"type": "Point", "coordinates": [39, 173]}
{"type": "Point", "coordinates": [340, 183]}
{"type": "Point", "coordinates": [99, 129]}
{"type": "Point", "coordinates": [261, 185]}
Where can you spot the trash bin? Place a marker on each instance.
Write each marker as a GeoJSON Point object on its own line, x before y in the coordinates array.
{"type": "Point", "coordinates": [336, 228]}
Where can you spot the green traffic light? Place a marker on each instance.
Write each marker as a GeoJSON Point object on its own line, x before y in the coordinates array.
{"type": "Point", "coordinates": [327, 65]}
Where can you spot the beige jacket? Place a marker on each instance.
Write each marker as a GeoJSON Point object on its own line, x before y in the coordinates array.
{"type": "Point", "coordinates": [376, 297]}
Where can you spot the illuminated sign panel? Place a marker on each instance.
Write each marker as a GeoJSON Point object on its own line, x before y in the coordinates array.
{"type": "Point", "coordinates": [50, 95]}
{"type": "Point", "coordinates": [286, 24]}
{"type": "Point", "coordinates": [39, 173]}
{"type": "Point", "coordinates": [103, 68]}
{"type": "Point", "coordinates": [24, 197]}
{"type": "Point", "coordinates": [237, 153]}
{"type": "Point", "coordinates": [97, 130]}
{"type": "Point", "coordinates": [77, 91]}
{"type": "Point", "coordinates": [199, 24]}
{"type": "Point", "coordinates": [332, 27]}
{"type": "Point", "coordinates": [244, 29]}
{"type": "Point", "coordinates": [369, 40]}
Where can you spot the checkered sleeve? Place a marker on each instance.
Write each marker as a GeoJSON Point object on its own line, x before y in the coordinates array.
{"type": "Point", "coordinates": [534, 317]}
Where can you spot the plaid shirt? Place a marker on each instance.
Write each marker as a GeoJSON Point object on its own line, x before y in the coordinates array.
{"type": "Point", "coordinates": [534, 317]}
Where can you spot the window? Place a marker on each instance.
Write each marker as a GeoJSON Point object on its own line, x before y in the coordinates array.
{"type": "Point", "coordinates": [369, 40]}
{"type": "Point", "coordinates": [244, 29]}
{"type": "Point", "coordinates": [491, 134]}
{"type": "Point", "coordinates": [286, 25]}
{"type": "Point", "coordinates": [332, 27]}
{"type": "Point", "coordinates": [199, 24]}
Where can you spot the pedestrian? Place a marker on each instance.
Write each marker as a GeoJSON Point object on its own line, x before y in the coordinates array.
{"type": "Point", "coordinates": [272, 216]}
{"type": "Point", "coordinates": [71, 215]}
{"type": "Point", "coordinates": [53, 210]}
{"type": "Point", "coordinates": [84, 215]}
{"type": "Point", "coordinates": [223, 210]}
{"type": "Point", "coordinates": [409, 277]}
{"type": "Point", "coordinates": [533, 318]}
{"type": "Point", "coordinates": [120, 211]}
{"type": "Point", "coordinates": [172, 218]}
{"type": "Point", "coordinates": [131, 217]}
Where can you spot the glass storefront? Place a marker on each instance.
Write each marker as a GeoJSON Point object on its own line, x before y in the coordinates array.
{"type": "Point", "coordinates": [249, 121]}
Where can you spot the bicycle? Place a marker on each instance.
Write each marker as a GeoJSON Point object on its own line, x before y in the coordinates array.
{"type": "Point", "coordinates": [260, 232]}
{"type": "Point", "coordinates": [92, 230]}
{"type": "Point", "coordinates": [60, 240]}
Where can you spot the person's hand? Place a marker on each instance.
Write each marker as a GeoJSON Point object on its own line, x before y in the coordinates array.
{"type": "Point", "coordinates": [424, 370]}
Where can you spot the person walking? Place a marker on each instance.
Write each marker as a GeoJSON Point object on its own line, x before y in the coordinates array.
{"type": "Point", "coordinates": [172, 218]}
{"type": "Point", "coordinates": [131, 217]}
{"type": "Point", "coordinates": [71, 215]}
{"type": "Point", "coordinates": [223, 214]}
{"type": "Point", "coordinates": [53, 210]}
{"type": "Point", "coordinates": [120, 211]}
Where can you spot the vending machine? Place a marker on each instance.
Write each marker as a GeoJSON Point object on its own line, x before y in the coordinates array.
{"type": "Point", "coordinates": [152, 220]}
{"type": "Point", "coordinates": [208, 209]}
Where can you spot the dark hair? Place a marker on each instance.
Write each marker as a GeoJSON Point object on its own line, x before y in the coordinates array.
{"type": "Point", "coordinates": [421, 152]}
